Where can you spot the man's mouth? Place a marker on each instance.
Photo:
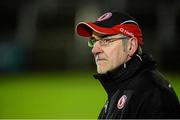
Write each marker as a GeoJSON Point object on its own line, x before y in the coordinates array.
{"type": "Point", "coordinates": [97, 58]}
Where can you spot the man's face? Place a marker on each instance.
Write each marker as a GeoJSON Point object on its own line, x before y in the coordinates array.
{"type": "Point", "coordinates": [108, 57]}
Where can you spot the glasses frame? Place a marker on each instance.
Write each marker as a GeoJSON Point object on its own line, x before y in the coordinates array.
{"type": "Point", "coordinates": [105, 40]}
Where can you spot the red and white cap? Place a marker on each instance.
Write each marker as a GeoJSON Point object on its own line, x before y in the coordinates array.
{"type": "Point", "coordinates": [111, 23]}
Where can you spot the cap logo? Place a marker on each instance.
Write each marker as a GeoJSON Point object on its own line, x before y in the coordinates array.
{"type": "Point", "coordinates": [121, 102]}
{"type": "Point", "coordinates": [126, 32]}
{"type": "Point", "coordinates": [104, 17]}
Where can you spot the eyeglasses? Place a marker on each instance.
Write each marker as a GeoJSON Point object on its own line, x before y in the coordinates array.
{"type": "Point", "coordinates": [104, 41]}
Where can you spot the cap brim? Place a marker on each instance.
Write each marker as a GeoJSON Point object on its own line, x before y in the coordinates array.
{"type": "Point", "coordinates": [86, 29]}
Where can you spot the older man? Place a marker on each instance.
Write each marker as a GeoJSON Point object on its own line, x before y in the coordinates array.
{"type": "Point", "coordinates": [134, 86]}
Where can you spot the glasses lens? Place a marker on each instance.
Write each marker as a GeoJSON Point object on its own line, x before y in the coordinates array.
{"type": "Point", "coordinates": [90, 43]}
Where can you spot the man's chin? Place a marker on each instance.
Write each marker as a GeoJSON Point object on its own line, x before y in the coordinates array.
{"type": "Point", "coordinates": [102, 70]}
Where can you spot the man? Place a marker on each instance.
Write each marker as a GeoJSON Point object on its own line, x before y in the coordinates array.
{"type": "Point", "coordinates": [133, 84]}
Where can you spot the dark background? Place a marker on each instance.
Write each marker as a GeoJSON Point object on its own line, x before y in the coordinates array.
{"type": "Point", "coordinates": [39, 35]}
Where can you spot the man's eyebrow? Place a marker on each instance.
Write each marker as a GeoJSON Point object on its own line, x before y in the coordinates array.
{"type": "Point", "coordinates": [92, 37]}
{"type": "Point", "coordinates": [95, 37]}
{"type": "Point", "coordinates": [104, 36]}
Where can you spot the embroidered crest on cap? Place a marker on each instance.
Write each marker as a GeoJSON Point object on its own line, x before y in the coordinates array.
{"type": "Point", "coordinates": [104, 16]}
{"type": "Point", "coordinates": [121, 102]}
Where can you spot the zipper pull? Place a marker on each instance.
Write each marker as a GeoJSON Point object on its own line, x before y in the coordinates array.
{"type": "Point", "coordinates": [106, 106]}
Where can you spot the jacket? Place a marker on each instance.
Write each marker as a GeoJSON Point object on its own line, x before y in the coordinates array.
{"type": "Point", "coordinates": [138, 91]}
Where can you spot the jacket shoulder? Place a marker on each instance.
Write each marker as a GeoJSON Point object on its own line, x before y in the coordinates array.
{"type": "Point", "coordinates": [153, 97]}
{"type": "Point", "coordinates": [147, 80]}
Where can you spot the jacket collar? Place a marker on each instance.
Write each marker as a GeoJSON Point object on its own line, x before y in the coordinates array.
{"type": "Point", "coordinates": [119, 77]}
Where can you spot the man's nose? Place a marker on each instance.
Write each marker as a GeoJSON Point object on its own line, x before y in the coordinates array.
{"type": "Point", "coordinates": [97, 48]}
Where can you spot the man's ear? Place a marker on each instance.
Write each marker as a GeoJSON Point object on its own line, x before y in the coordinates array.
{"type": "Point", "coordinates": [133, 45]}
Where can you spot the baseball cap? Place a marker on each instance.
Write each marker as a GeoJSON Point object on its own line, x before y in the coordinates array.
{"type": "Point", "coordinates": [111, 23]}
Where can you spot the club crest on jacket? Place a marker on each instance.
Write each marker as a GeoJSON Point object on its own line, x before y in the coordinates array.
{"type": "Point", "coordinates": [121, 102]}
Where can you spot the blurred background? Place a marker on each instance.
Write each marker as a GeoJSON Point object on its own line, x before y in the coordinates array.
{"type": "Point", "coordinates": [46, 69]}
